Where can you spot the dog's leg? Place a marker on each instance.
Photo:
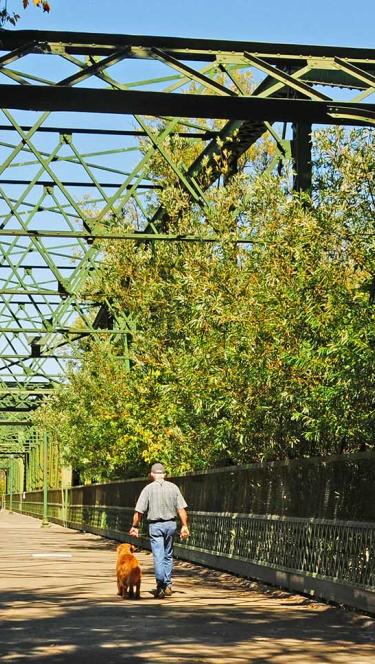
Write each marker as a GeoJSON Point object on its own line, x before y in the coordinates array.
{"type": "Point", "coordinates": [124, 592]}
{"type": "Point", "coordinates": [138, 590]}
{"type": "Point", "coordinates": [131, 592]}
{"type": "Point", "coordinates": [119, 587]}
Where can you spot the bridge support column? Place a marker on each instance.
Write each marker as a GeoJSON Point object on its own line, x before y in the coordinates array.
{"type": "Point", "coordinates": [45, 523]}
{"type": "Point", "coordinates": [301, 152]}
{"type": "Point", "coordinates": [11, 481]}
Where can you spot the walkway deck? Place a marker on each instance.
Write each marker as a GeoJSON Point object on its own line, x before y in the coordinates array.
{"type": "Point", "coordinates": [66, 610]}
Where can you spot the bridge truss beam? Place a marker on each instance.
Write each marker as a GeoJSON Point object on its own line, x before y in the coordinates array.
{"type": "Point", "coordinates": [67, 183]}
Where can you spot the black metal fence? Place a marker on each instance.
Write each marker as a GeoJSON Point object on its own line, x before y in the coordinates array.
{"type": "Point", "coordinates": [308, 525]}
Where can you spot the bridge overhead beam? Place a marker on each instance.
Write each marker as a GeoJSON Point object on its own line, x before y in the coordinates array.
{"type": "Point", "coordinates": [130, 102]}
{"type": "Point", "coordinates": [51, 240]}
{"type": "Point", "coordinates": [185, 48]}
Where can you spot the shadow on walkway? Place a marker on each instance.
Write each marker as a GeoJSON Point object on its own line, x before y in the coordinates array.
{"type": "Point", "coordinates": [59, 611]}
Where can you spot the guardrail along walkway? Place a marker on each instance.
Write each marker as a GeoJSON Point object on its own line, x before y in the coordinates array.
{"type": "Point", "coordinates": [58, 603]}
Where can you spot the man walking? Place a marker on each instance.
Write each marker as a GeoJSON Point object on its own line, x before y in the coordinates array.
{"type": "Point", "coordinates": [162, 501]}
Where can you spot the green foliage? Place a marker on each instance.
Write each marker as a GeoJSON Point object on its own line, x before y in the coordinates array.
{"type": "Point", "coordinates": [242, 352]}
{"type": "Point", "coordinates": [2, 482]}
{"type": "Point", "coordinates": [12, 17]}
{"type": "Point", "coordinates": [8, 17]}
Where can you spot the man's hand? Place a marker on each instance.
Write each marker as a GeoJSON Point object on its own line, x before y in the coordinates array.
{"type": "Point", "coordinates": [137, 518]}
{"type": "Point", "coordinates": [185, 532]}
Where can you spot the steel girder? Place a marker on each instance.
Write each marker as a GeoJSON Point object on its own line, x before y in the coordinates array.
{"type": "Point", "coordinates": [66, 175]}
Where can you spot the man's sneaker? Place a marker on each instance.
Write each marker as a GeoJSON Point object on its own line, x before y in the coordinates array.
{"type": "Point", "coordinates": [168, 592]}
{"type": "Point", "coordinates": [159, 593]}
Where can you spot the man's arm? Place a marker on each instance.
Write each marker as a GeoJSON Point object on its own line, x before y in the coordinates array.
{"type": "Point", "coordinates": [182, 513]}
{"type": "Point", "coordinates": [137, 518]}
{"type": "Point", "coordinates": [140, 508]}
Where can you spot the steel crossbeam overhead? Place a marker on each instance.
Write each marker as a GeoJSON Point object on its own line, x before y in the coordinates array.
{"type": "Point", "coordinates": [76, 146]}
{"type": "Point", "coordinates": [131, 103]}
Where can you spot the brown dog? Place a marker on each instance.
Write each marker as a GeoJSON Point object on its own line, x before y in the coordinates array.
{"type": "Point", "coordinates": [128, 572]}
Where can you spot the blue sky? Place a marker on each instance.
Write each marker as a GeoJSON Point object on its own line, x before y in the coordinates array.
{"type": "Point", "coordinates": [336, 22]}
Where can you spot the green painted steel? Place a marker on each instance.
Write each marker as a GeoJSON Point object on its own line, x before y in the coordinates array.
{"type": "Point", "coordinates": [64, 186]}
{"type": "Point", "coordinates": [10, 484]}
{"type": "Point", "coordinates": [44, 448]}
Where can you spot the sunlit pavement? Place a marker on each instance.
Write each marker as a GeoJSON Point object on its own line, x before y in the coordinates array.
{"type": "Point", "coordinates": [58, 603]}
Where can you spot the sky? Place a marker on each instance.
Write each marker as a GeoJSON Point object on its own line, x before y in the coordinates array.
{"type": "Point", "coordinates": [326, 22]}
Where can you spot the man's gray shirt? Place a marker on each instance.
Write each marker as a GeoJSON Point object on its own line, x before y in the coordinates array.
{"type": "Point", "coordinates": [161, 500]}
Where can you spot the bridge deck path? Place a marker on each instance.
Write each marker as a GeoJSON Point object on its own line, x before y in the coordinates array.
{"type": "Point", "coordinates": [66, 610]}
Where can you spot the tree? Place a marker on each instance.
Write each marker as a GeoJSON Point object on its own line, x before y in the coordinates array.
{"type": "Point", "coordinates": [242, 352]}
{"type": "Point", "coordinates": [2, 482]}
{"type": "Point", "coordinates": [12, 17]}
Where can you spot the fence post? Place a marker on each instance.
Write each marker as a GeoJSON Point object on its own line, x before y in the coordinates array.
{"type": "Point", "coordinates": [45, 523]}
{"type": "Point", "coordinates": [11, 484]}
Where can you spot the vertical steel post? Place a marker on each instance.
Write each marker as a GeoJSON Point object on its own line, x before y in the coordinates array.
{"type": "Point", "coordinates": [31, 466]}
{"type": "Point", "coordinates": [126, 352]}
{"type": "Point", "coordinates": [26, 465]}
{"type": "Point", "coordinates": [301, 151]}
{"type": "Point", "coordinates": [40, 466]}
{"type": "Point", "coordinates": [45, 522]}
{"type": "Point", "coordinates": [11, 484]}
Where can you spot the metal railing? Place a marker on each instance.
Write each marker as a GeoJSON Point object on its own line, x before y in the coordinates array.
{"type": "Point", "coordinates": [337, 550]}
{"type": "Point", "coordinates": [340, 551]}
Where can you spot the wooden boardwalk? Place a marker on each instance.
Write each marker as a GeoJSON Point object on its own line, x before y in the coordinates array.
{"type": "Point", "coordinates": [65, 609]}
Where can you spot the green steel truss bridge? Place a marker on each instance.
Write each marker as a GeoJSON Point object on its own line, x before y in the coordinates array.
{"type": "Point", "coordinates": [75, 109]}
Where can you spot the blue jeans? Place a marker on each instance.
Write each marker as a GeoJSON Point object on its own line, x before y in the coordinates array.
{"type": "Point", "coordinates": [161, 538]}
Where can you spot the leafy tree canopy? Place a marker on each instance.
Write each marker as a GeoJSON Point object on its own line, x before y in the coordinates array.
{"type": "Point", "coordinates": [241, 352]}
